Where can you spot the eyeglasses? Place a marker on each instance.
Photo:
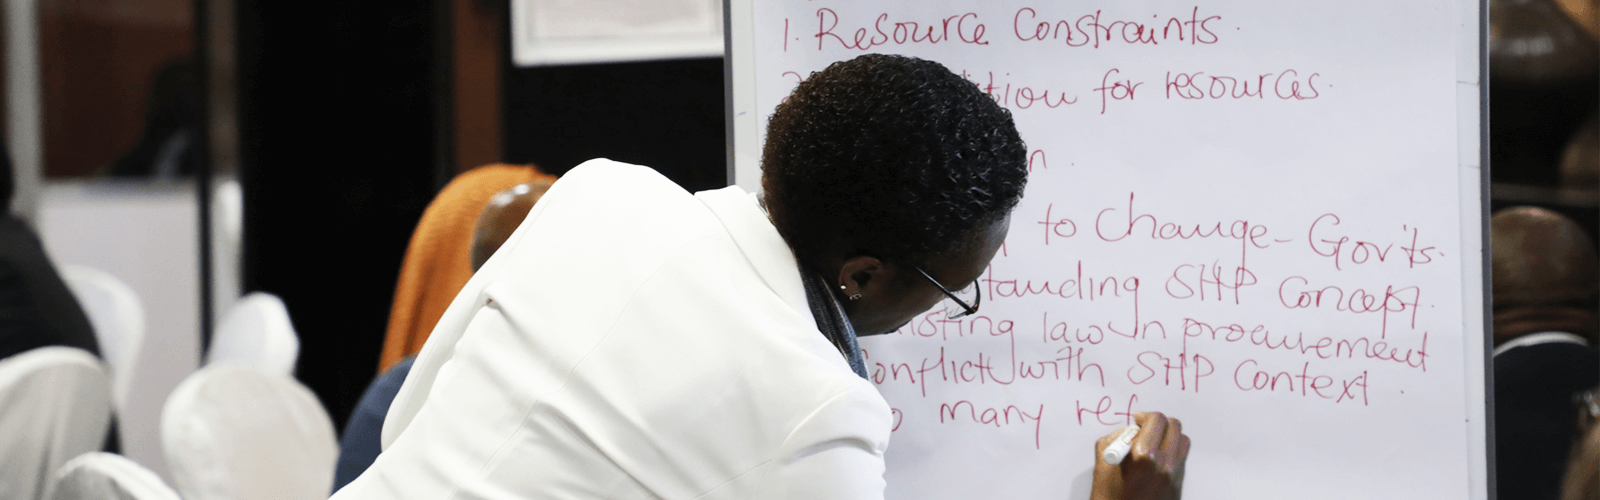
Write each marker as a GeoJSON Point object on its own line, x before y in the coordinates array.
{"type": "Point", "coordinates": [966, 310]}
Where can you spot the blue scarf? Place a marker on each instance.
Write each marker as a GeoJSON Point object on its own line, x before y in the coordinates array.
{"type": "Point", "coordinates": [831, 320]}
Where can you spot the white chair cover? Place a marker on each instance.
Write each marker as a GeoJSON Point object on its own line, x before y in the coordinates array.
{"type": "Point", "coordinates": [235, 432]}
{"type": "Point", "coordinates": [104, 476]}
{"type": "Point", "coordinates": [257, 332]}
{"type": "Point", "coordinates": [115, 312]}
{"type": "Point", "coordinates": [55, 404]}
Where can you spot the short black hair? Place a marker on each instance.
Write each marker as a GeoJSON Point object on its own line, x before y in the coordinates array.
{"type": "Point", "coordinates": [890, 156]}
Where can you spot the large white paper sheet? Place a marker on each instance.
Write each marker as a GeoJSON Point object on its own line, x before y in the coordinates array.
{"type": "Point", "coordinates": [1245, 214]}
{"type": "Point", "coordinates": [551, 32]}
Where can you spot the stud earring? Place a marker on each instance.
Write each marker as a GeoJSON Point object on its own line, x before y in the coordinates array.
{"type": "Point", "coordinates": [854, 296]}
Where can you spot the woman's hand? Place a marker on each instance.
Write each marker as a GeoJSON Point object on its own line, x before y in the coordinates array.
{"type": "Point", "coordinates": [1153, 469]}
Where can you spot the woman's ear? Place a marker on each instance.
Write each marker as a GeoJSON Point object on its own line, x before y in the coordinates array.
{"type": "Point", "coordinates": [862, 276]}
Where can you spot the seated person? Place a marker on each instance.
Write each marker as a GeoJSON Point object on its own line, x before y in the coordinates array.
{"type": "Point", "coordinates": [704, 345]}
{"type": "Point", "coordinates": [500, 218]}
{"type": "Point", "coordinates": [36, 308]}
{"type": "Point", "coordinates": [359, 446]}
{"type": "Point", "coordinates": [438, 260]}
{"type": "Point", "coordinates": [1545, 297]}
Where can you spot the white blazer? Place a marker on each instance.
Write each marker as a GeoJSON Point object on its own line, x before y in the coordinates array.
{"type": "Point", "coordinates": [631, 340]}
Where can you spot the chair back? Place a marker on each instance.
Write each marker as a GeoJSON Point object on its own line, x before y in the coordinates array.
{"type": "Point", "coordinates": [257, 332]}
{"type": "Point", "coordinates": [55, 404]}
{"type": "Point", "coordinates": [105, 476]}
{"type": "Point", "coordinates": [235, 432]}
{"type": "Point", "coordinates": [117, 316]}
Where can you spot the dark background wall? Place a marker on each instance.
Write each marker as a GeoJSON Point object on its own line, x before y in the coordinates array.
{"type": "Point", "coordinates": [662, 114]}
{"type": "Point", "coordinates": [344, 145]}
{"type": "Point", "coordinates": [338, 163]}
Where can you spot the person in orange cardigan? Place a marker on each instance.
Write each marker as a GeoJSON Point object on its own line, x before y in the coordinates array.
{"type": "Point", "coordinates": [440, 259]}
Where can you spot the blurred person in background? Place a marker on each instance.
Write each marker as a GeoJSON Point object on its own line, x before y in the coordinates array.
{"type": "Point", "coordinates": [501, 217]}
{"type": "Point", "coordinates": [496, 221]}
{"type": "Point", "coordinates": [1545, 297]}
{"type": "Point", "coordinates": [36, 308]}
{"type": "Point", "coordinates": [167, 148]}
{"type": "Point", "coordinates": [1544, 271]}
{"type": "Point", "coordinates": [439, 258]}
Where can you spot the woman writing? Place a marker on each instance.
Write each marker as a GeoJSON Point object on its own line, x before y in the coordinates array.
{"type": "Point", "coordinates": [704, 346]}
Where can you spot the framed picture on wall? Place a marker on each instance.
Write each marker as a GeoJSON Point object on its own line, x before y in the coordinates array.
{"type": "Point", "coordinates": [552, 32]}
